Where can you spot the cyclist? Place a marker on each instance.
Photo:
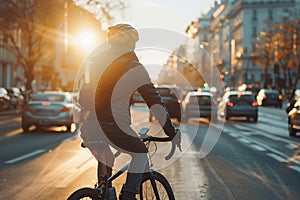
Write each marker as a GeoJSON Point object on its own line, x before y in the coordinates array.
{"type": "Point", "coordinates": [123, 75]}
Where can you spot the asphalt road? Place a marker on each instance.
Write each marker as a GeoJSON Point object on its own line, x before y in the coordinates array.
{"type": "Point", "coordinates": [249, 160]}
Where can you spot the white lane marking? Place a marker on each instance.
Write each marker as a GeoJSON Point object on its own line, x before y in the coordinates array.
{"type": "Point", "coordinates": [296, 168]}
{"type": "Point", "coordinates": [246, 133]}
{"type": "Point", "coordinates": [292, 146]}
{"type": "Point", "coordinates": [243, 128]}
{"type": "Point", "coordinates": [269, 136]}
{"type": "Point", "coordinates": [34, 153]}
{"type": "Point", "coordinates": [262, 147]}
{"type": "Point", "coordinates": [276, 157]}
{"type": "Point", "coordinates": [257, 147]}
{"type": "Point", "coordinates": [14, 132]}
{"type": "Point", "coordinates": [243, 140]}
{"type": "Point", "coordinates": [233, 135]}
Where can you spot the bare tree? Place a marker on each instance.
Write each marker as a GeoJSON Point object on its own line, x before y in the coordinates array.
{"type": "Point", "coordinates": [283, 49]}
{"type": "Point", "coordinates": [279, 45]}
{"type": "Point", "coordinates": [263, 52]}
{"type": "Point", "coordinates": [106, 11]}
{"type": "Point", "coordinates": [27, 29]}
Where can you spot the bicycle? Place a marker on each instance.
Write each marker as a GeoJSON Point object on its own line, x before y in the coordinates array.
{"type": "Point", "coordinates": [153, 186]}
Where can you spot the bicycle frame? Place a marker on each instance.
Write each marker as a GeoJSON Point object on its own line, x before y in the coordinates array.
{"type": "Point", "coordinates": [120, 171]}
{"type": "Point", "coordinates": [150, 175]}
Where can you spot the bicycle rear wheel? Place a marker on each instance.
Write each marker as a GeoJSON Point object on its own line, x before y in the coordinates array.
{"type": "Point", "coordinates": [164, 189]}
{"type": "Point", "coordinates": [85, 194]}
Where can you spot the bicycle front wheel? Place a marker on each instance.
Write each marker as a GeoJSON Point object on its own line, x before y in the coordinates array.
{"type": "Point", "coordinates": [85, 194]}
{"type": "Point", "coordinates": [159, 186]}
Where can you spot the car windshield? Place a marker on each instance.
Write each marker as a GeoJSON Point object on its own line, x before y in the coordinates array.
{"type": "Point", "coordinates": [48, 97]}
{"type": "Point", "coordinates": [273, 93]}
{"type": "Point", "coordinates": [201, 100]}
{"type": "Point", "coordinates": [166, 92]}
{"type": "Point", "coordinates": [241, 98]}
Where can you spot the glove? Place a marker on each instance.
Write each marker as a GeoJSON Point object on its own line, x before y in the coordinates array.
{"type": "Point", "coordinates": [177, 139]}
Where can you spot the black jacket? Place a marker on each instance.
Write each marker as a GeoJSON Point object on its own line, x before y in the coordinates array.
{"type": "Point", "coordinates": [116, 86]}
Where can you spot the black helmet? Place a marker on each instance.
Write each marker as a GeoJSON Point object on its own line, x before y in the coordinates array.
{"type": "Point", "coordinates": [124, 28]}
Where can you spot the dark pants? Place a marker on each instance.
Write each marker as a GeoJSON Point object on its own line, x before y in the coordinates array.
{"type": "Point", "coordinates": [129, 144]}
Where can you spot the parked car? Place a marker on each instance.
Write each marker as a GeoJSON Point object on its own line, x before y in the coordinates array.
{"type": "Point", "coordinates": [294, 118]}
{"type": "Point", "coordinates": [266, 97]}
{"type": "Point", "coordinates": [171, 97]}
{"type": "Point", "coordinates": [4, 99]}
{"type": "Point", "coordinates": [238, 104]}
{"type": "Point", "coordinates": [49, 109]}
{"type": "Point", "coordinates": [199, 104]}
{"type": "Point", "coordinates": [16, 97]}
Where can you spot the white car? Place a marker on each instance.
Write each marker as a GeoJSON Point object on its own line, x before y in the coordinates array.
{"type": "Point", "coordinates": [199, 104]}
{"type": "Point", "coordinates": [49, 109]}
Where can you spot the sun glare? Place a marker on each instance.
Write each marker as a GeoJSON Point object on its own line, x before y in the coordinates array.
{"type": "Point", "coordinates": [87, 39]}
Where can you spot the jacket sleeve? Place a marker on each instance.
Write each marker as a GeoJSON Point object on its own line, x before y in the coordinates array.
{"type": "Point", "coordinates": [153, 100]}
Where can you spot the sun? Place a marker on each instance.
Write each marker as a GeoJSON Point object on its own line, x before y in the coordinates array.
{"type": "Point", "coordinates": [87, 39]}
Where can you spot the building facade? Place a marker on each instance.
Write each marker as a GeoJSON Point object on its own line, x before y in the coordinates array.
{"type": "Point", "coordinates": [66, 50]}
{"type": "Point", "coordinates": [233, 27]}
{"type": "Point", "coordinates": [11, 73]}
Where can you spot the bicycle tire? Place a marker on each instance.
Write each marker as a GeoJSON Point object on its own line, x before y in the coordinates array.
{"type": "Point", "coordinates": [163, 187]}
{"type": "Point", "coordinates": [85, 193]}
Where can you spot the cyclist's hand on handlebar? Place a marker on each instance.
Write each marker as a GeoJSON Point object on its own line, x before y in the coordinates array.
{"type": "Point", "coordinates": [177, 139]}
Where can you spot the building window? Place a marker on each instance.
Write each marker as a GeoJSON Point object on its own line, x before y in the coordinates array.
{"type": "Point", "coordinates": [254, 31]}
{"type": "Point", "coordinates": [254, 15]}
{"type": "Point", "coordinates": [270, 12]}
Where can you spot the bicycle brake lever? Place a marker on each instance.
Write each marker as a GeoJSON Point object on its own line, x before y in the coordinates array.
{"type": "Point", "coordinates": [179, 147]}
{"type": "Point", "coordinates": [171, 152]}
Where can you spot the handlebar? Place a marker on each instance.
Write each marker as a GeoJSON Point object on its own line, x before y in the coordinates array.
{"type": "Point", "coordinates": [176, 141]}
{"type": "Point", "coordinates": [146, 138]}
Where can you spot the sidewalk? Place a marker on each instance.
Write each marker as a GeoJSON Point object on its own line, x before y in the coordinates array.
{"type": "Point", "coordinates": [10, 112]}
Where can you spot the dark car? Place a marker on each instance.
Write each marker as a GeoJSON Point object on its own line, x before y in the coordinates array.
{"type": "Point", "coordinates": [266, 97]}
{"type": "Point", "coordinates": [294, 118]}
{"type": "Point", "coordinates": [16, 97]}
{"type": "Point", "coordinates": [199, 104]}
{"type": "Point", "coordinates": [49, 109]}
{"type": "Point", "coordinates": [171, 97]}
{"type": "Point", "coordinates": [137, 98]}
{"type": "Point", "coordinates": [4, 99]}
{"type": "Point", "coordinates": [238, 104]}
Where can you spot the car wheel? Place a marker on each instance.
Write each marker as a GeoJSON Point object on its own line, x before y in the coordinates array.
{"type": "Point", "coordinates": [255, 118]}
{"type": "Point", "coordinates": [292, 131]}
{"type": "Point", "coordinates": [69, 127]}
{"type": "Point", "coordinates": [25, 127]}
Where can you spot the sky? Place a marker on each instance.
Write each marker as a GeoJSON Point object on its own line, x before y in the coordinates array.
{"type": "Point", "coordinates": [169, 14]}
{"type": "Point", "coordinates": [163, 14]}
